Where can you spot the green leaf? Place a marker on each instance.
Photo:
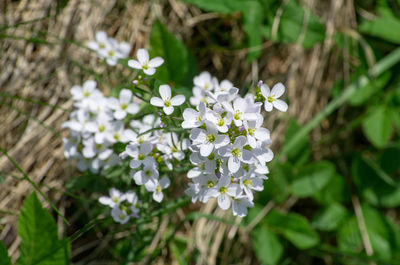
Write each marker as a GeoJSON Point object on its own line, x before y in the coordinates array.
{"type": "Point", "coordinates": [365, 92]}
{"type": "Point", "coordinates": [220, 6]}
{"type": "Point", "coordinates": [39, 239]}
{"type": "Point", "coordinates": [4, 258]}
{"type": "Point", "coordinates": [252, 21]}
{"type": "Point", "coordinates": [173, 51]}
{"type": "Point", "coordinates": [385, 26]}
{"type": "Point", "coordinates": [277, 187]}
{"type": "Point", "coordinates": [293, 227]}
{"type": "Point", "coordinates": [377, 126]}
{"type": "Point", "coordinates": [349, 237]}
{"type": "Point", "coordinates": [335, 191]}
{"type": "Point", "coordinates": [266, 245]}
{"type": "Point", "coordinates": [330, 217]}
{"type": "Point", "coordinates": [253, 16]}
{"type": "Point", "coordinates": [380, 233]}
{"type": "Point", "coordinates": [312, 178]}
{"type": "Point", "coordinates": [291, 25]}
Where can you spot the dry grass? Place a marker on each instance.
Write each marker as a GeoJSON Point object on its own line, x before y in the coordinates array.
{"type": "Point", "coordinates": [46, 73]}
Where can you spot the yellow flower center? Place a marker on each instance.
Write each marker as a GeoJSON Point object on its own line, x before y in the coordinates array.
{"type": "Point", "coordinates": [210, 138]}
{"type": "Point", "coordinates": [271, 98]}
{"type": "Point", "coordinates": [210, 184]}
{"type": "Point", "coordinates": [223, 190]}
{"type": "Point", "coordinates": [236, 152]}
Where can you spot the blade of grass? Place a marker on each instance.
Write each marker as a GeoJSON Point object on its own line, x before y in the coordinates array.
{"type": "Point", "coordinates": [42, 103]}
{"type": "Point", "coordinates": [35, 186]}
{"type": "Point", "coordinates": [386, 63]}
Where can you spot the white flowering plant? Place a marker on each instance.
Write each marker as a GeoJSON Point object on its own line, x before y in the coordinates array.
{"type": "Point", "coordinates": [214, 139]}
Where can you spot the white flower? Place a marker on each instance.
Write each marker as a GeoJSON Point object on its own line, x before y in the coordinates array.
{"type": "Point", "coordinates": [256, 132]}
{"type": "Point", "coordinates": [224, 191]}
{"type": "Point", "coordinates": [118, 133]}
{"type": "Point", "coordinates": [271, 97]}
{"type": "Point", "coordinates": [139, 154]}
{"type": "Point", "coordinates": [91, 149]}
{"type": "Point", "coordinates": [236, 154]}
{"type": "Point", "coordinates": [204, 81]}
{"type": "Point", "coordinates": [220, 121]}
{"type": "Point", "coordinates": [251, 183]}
{"type": "Point", "coordinates": [192, 118]}
{"type": "Point", "coordinates": [101, 42]}
{"type": "Point", "coordinates": [133, 199]}
{"type": "Point", "coordinates": [208, 140]}
{"type": "Point", "coordinates": [143, 63]}
{"type": "Point", "coordinates": [166, 101]}
{"type": "Point", "coordinates": [119, 216]}
{"type": "Point", "coordinates": [156, 187]}
{"type": "Point", "coordinates": [86, 95]}
{"type": "Point", "coordinates": [240, 205]}
{"type": "Point", "coordinates": [148, 173]}
{"type": "Point", "coordinates": [108, 48]}
{"type": "Point", "coordinates": [240, 111]}
{"type": "Point", "coordinates": [116, 197]}
{"type": "Point", "coordinates": [124, 105]}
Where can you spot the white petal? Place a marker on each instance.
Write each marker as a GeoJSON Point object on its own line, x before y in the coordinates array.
{"type": "Point", "coordinates": [134, 64]}
{"type": "Point", "coordinates": [132, 108]}
{"type": "Point", "coordinates": [265, 91]}
{"type": "Point", "coordinates": [247, 156]}
{"type": "Point", "coordinates": [156, 62]}
{"type": "Point", "coordinates": [119, 114]}
{"type": "Point", "coordinates": [158, 196]}
{"type": "Point", "coordinates": [240, 141]}
{"type": "Point", "coordinates": [206, 149]}
{"type": "Point", "coordinates": [233, 164]}
{"type": "Point", "coordinates": [134, 164]}
{"type": "Point", "coordinates": [156, 102]}
{"type": "Point", "coordinates": [168, 110]}
{"type": "Point", "coordinates": [146, 147]}
{"type": "Point", "coordinates": [262, 134]}
{"type": "Point", "coordinates": [101, 36]}
{"type": "Point", "coordinates": [165, 92]}
{"type": "Point", "coordinates": [268, 106]}
{"type": "Point", "coordinates": [143, 56]}
{"type": "Point", "coordinates": [149, 71]}
{"type": "Point", "coordinates": [125, 95]}
{"type": "Point", "coordinates": [280, 105]}
{"type": "Point", "coordinates": [165, 182]}
{"type": "Point", "coordinates": [224, 202]}
{"type": "Point", "coordinates": [106, 201]}
{"type": "Point", "coordinates": [177, 100]}
{"type": "Point", "coordinates": [93, 45]}
{"type": "Point", "coordinates": [113, 103]}
{"type": "Point", "coordinates": [278, 90]}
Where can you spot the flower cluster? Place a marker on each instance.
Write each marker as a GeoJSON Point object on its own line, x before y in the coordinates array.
{"type": "Point", "coordinates": [123, 205]}
{"type": "Point", "coordinates": [150, 149]}
{"type": "Point", "coordinates": [96, 125]}
{"type": "Point", "coordinates": [229, 148]}
{"type": "Point", "coordinates": [108, 48]}
{"type": "Point", "coordinates": [228, 143]}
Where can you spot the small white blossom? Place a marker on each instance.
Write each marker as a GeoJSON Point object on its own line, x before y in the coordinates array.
{"type": "Point", "coordinates": [124, 105]}
{"type": "Point", "coordinates": [143, 62]}
{"type": "Point", "coordinates": [271, 97]}
{"type": "Point", "coordinates": [166, 101]}
{"type": "Point", "coordinates": [156, 187]}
